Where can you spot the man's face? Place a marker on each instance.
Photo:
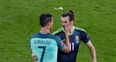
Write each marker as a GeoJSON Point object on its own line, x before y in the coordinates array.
{"type": "Point", "coordinates": [65, 22]}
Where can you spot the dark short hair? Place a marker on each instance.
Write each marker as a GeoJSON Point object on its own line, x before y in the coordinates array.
{"type": "Point", "coordinates": [44, 19]}
{"type": "Point", "coordinates": [69, 14]}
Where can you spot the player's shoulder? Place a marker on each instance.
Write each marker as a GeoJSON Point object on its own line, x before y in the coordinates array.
{"type": "Point", "coordinates": [54, 37]}
{"type": "Point", "coordinates": [60, 30]}
{"type": "Point", "coordinates": [34, 35]}
{"type": "Point", "coordinates": [79, 29]}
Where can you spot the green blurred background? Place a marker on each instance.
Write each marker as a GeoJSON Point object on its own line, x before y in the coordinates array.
{"type": "Point", "coordinates": [19, 19]}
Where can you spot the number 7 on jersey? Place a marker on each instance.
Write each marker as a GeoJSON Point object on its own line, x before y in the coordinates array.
{"type": "Point", "coordinates": [43, 52]}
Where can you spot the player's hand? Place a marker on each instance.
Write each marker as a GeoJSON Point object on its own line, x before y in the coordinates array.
{"type": "Point", "coordinates": [66, 30]}
{"type": "Point", "coordinates": [34, 58]}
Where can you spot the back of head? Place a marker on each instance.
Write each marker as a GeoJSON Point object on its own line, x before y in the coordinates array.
{"type": "Point", "coordinates": [70, 14]}
{"type": "Point", "coordinates": [44, 19]}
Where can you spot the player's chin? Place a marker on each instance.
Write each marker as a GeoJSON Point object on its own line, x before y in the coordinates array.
{"type": "Point", "coordinates": [65, 27]}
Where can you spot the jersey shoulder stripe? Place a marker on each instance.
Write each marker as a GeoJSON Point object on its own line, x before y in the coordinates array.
{"type": "Point", "coordinates": [58, 31]}
{"type": "Point", "coordinates": [80, 29]}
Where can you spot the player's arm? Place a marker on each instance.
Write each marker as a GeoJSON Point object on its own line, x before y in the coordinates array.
{"type": "Point", "coordinates": [92, 51]}
{"type": "Point", "coordinates": [67, 48]}
{"type": "Point", "coordinates": [64, 47]}
{"type": "Point", "coordinates": [85, 38]}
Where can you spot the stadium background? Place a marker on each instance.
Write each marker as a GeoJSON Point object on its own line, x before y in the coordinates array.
{"type": "Point", "coordinates": [19, 19]}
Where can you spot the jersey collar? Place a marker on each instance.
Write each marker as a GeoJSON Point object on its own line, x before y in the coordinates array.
{"type": "Point", "coordinates": [44, 33]}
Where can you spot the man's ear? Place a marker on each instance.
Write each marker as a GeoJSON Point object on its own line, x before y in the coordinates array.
{"type": "Point", "coordinates": [48, 23]}
{"type": "Point", "coordinates": [71, 22]}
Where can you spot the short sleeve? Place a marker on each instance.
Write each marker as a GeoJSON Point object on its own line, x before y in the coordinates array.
{"type": "Point", "coordinates": [60, 44]}
{"type": "Point", "coordinates": [84, 37]}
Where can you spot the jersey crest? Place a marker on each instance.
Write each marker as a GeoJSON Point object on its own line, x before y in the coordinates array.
{"type": "Point", "coordinates": [77, 39]}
